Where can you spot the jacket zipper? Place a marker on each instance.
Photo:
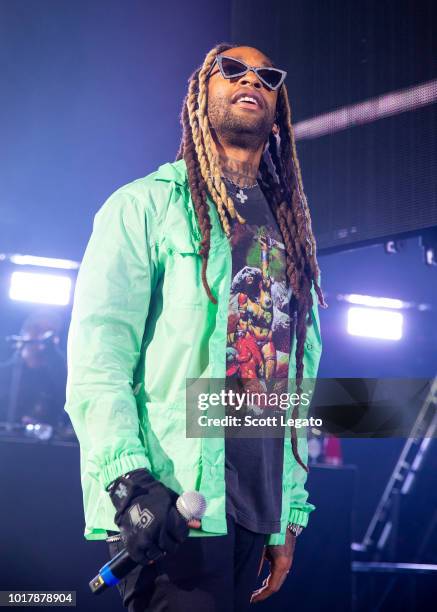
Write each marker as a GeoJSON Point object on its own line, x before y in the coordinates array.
{"type": "Point", "coordinates": [113, 538]}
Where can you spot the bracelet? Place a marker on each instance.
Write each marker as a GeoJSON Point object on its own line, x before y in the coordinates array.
{"type": "Point", "coordinates": [295, 529]}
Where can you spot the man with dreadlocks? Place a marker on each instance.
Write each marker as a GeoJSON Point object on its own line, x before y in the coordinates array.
{"type": "Point", "coordinates": [154, 307]}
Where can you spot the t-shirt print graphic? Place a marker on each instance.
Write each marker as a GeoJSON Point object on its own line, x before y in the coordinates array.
{"type": "Point", "coordinates": [258, 345]}
{"type": "Point", "coordinates": [258, 339]}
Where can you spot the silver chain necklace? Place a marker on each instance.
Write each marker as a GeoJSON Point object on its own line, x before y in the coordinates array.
{"type": "Point", "coordinates": [241, 196]}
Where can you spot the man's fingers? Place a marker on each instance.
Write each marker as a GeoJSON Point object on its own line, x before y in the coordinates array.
{"type": "Point", "coordinates": [271, 584]}
{"type": "Point", "coordinates": [194, 524]}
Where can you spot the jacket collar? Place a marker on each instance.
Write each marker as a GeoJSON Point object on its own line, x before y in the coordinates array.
{"type": "Point", "coordinates": [173, 171]}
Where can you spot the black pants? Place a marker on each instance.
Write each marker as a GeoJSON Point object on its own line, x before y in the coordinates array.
{"type": "Point", "coordinates": [205, 574]}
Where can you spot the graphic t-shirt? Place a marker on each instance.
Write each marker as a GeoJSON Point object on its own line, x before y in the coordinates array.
{"type": "Point", "coordinates": [258, 350]}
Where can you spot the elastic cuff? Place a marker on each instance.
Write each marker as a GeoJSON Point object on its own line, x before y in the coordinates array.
{"type": "Point", "coordinates": [123, 464]}
{"type": "Point", "coordinates": [275, 539]}
{"type": "Point", "coordinates": [300, 517]}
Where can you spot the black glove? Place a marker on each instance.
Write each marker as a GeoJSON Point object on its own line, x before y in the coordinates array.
{"type": "Point", "coordinates": [149, 523]}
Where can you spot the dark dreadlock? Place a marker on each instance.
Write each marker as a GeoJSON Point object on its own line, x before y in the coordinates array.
{"type": "Point", "coordinates": [284, 192]}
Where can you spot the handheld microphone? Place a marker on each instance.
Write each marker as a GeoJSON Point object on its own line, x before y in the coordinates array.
{"type": "Point", "coordinates": [191, 505]}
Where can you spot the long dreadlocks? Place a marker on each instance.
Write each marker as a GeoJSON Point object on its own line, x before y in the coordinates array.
{"type": "Point", "coordinates": [284, 193]}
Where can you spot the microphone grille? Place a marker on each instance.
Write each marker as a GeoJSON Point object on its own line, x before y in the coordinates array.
{"type": "Point", "coordinates": [191, 504]}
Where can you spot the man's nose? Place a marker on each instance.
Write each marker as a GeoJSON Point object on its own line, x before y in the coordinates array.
{"type": "Point", "coordinates": [250, 78]}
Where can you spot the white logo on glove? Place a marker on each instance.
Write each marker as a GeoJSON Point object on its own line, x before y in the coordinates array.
{"type": "Point", "coordinates": [121, 490]}
{"type": "Point", "coordinates": [140, 518]}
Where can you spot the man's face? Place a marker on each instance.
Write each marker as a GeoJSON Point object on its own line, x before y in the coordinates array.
{"type": "Point", "coordinates": [241, 122]}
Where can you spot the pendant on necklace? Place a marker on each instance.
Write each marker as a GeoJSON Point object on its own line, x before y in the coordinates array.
{"type": "Point", "coordinates": [241, 196]}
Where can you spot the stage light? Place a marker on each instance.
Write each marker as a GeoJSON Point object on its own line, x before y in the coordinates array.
{"type": "Point", "coordinates": [375, 323]}
{"type": "Point", "coordinates": [367, 111]}
{"type": "Point", "coordinates": [43, 262]}
{"type": "Point", "coordinates": [374, 301]}
{"type": "Point", "coordinates": [40, 288]}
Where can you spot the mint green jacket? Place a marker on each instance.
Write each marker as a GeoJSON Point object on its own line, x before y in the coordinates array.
{"type": "Point", "coordinates": [141, 325]}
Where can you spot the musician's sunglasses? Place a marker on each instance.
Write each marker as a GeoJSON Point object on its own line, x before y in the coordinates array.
{"type": "Point", "coordinates": [231, 68]}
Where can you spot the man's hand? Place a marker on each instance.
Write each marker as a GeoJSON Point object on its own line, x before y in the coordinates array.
{"type": "Point", "coordinates": [149, 523]}
{"type": "Point", "coordinates": [280, 558]}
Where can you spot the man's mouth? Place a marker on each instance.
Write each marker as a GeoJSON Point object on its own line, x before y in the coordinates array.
{"type": "Point", "coordinates": [246, 100]}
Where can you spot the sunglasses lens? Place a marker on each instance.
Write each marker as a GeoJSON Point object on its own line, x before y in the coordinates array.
{"type": "Point", "coordinates": [271, 76]}
{"type": "Point", "coordinates": [232, 67]}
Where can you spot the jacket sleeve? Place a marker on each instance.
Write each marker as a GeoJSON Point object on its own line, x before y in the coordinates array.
{"type": "Point", "coordinates": [300, 508]}
{"type": "Point", "coordinates": [111, 304]}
